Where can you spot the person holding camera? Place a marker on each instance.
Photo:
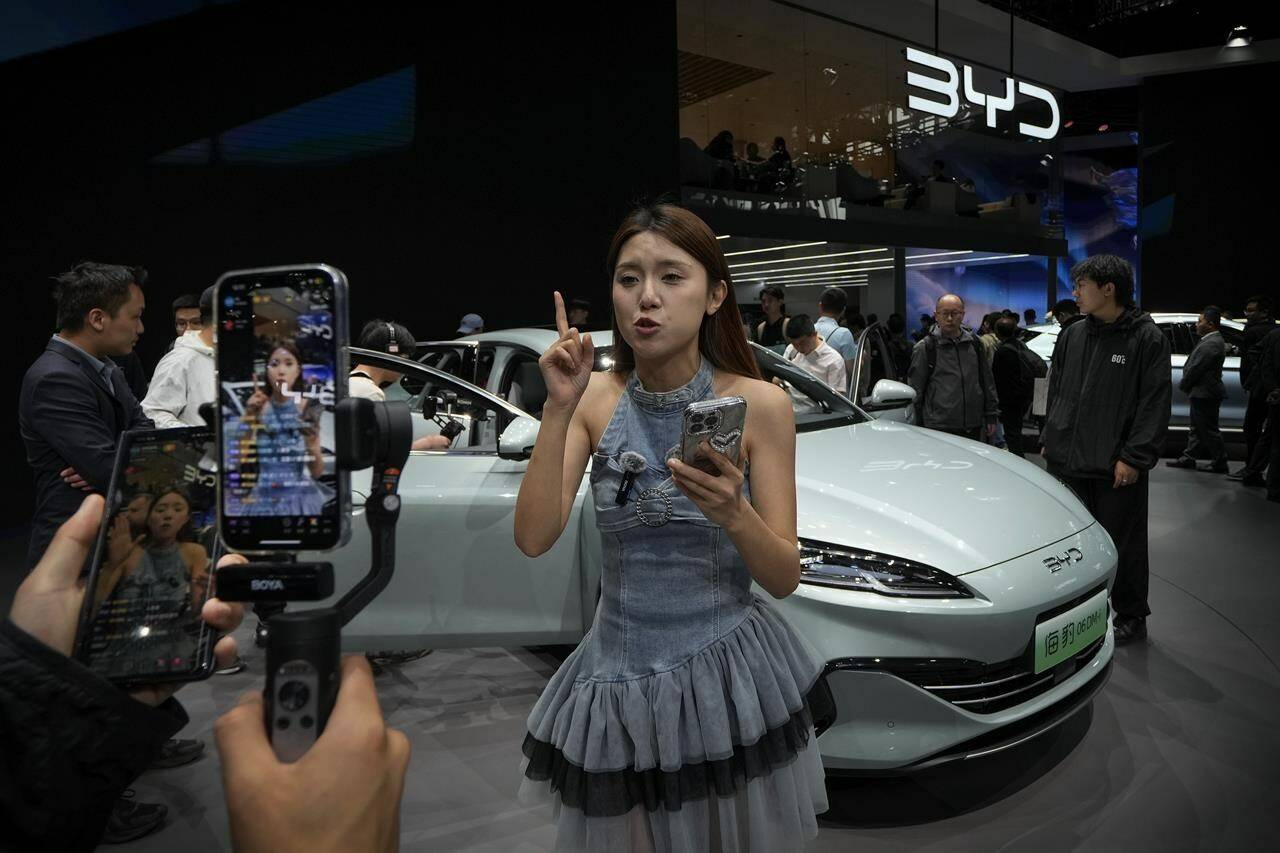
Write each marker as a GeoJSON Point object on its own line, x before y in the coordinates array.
{"type": "Point", "coordinates": [681, 653]}
{"type": "Point", "coordinates": [73, 742]}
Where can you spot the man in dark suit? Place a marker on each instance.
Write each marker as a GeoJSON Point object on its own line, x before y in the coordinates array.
{"type": "Point", "coordinates": [1202, 383]}
{"type": "Point", "coordinates": [75, 400]}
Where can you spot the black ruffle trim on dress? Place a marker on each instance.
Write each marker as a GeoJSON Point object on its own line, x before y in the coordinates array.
{"type": "Point", "coordinates": [617, 792]}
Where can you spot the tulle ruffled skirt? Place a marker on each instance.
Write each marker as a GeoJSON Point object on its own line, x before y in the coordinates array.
{"type": "Point", "coordinates": [718, 753]}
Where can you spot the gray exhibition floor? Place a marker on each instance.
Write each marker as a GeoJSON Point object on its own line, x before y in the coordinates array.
{"type": "Point", "coordinates": [1179, 752]}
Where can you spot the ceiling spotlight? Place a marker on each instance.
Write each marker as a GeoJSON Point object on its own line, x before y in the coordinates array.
{"type": "Point", "coordinates": [1239, 37]}
{"type": "Point", "coordinates": [1103, 128]}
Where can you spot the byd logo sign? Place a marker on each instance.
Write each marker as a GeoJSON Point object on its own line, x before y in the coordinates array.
{"type": "Point", "coordinates": [950, 88]}
{"type": "Point", "coordinates": [1058, 562]}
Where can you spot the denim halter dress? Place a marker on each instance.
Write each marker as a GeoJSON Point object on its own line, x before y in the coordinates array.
{"type": "Point", "coordinates": [681, 721]}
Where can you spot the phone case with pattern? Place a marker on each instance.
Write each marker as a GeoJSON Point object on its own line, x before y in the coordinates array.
{"type": "Point", "coordinates": [719, 422]}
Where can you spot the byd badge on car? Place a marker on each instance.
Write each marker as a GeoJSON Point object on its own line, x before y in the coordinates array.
{"type": "Point", "coordinates": [1059, 561]}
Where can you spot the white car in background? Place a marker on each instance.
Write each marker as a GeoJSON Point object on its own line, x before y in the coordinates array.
{"type": "Point", "coordinates": [1180, 331]}
{"type": "Point", "coordinates": [957, 593]}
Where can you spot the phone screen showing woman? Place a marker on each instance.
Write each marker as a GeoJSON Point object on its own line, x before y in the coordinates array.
{"type": "Point", "coordinates": [150, 576]}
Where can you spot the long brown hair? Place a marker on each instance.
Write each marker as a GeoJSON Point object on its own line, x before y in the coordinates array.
{"type": "Point", "coordinates": [721, 339]}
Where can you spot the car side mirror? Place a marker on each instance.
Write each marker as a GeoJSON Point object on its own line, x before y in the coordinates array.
{"type": "Point", "coordinates": [889, 393]}
{"type": "Point", "coordinates": [516, 441]}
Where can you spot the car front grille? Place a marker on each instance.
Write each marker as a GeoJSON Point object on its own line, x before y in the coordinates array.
{"type": "Point", "coordinates": [977, 687]}
{"type": "Point", "coordinates": [988, 689]}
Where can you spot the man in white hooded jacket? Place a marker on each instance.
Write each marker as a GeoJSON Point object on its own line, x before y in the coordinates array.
{"type": "Point", "coordinates": [183, 379]}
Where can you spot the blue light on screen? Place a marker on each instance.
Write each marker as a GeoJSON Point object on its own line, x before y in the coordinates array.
{"type": "Point", "coordinates": [1100, 216]}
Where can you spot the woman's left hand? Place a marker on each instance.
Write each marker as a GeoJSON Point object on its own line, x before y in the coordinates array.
{"type": "Point", "coordinates": [719, 497]}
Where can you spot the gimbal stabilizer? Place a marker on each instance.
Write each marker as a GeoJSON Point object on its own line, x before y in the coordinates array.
{"type": "Point", "coordinates": [303, 647]}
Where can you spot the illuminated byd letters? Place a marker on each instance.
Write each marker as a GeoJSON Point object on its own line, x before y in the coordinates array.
{"type": "Point", "coordinates": [992, 103]}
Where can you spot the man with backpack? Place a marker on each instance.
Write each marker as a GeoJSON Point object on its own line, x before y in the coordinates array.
{"type": "Point", "coordinates": [1109, 396]}
{"type": "Point", "coordinates": [1015, 369]}
{"type": "Point", "coordinates": [955, 392]}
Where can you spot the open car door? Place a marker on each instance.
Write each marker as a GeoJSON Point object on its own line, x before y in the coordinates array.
{"type": "Point", "coordinates": [879, 383]}
{"type": "Point", "coordinates": [459, 578]}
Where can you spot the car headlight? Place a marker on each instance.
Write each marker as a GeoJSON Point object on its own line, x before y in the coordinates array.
{"type": "Point", "coordinates": [824, 564]}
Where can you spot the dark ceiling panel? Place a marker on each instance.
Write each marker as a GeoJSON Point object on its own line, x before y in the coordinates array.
{"type": "Point", "coordinates": [1125, 28]}
{"type": "Point", "coordinates": [703, 77]}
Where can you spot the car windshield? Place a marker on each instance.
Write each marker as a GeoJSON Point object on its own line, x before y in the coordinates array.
{"type": "Point", "coordinates": [816, 405]}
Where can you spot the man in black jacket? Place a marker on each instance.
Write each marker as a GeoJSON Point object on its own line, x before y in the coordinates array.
{"type": "Point", "coordinates": [1202, 383]}
{"type": "Point", "coordinates": [1268, 387]}
{"type": "Point", "coordinates": [1066, 312]}
{"type": "Point", "coordinates": [1258, 324]}
{"type": "Point", "coordinates": [1015, 380]}
{"type": "Point", "coordinates": [75, 402]}
{"type": "Point", "coordinates": [1109, 395]}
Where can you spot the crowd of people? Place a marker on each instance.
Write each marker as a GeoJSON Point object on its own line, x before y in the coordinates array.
{"type": "Point", "coordinates": [74, 742]}
{"type": "Point", "coordinates": [752, 172]}
{"type": "Point", "coordinates": [1107, 398]}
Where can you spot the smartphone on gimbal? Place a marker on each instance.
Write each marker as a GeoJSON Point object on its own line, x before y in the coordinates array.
{"type": "Point", "coordinates": [282, 368]}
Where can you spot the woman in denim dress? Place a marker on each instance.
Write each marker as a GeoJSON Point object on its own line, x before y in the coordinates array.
{"type": "Point", "coordinates": [682, 720]}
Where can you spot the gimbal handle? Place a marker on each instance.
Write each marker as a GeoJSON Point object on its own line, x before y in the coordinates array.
{"type": "Point", "coordinates": [377, 434]}
{"type": "Point", "coordinates": [304, 647]}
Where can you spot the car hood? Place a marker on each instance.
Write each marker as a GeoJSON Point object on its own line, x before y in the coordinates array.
{"type": "Point", "coordinates": [948, 502]}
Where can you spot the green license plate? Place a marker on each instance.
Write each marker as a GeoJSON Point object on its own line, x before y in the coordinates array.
{"type": "Point", "coordinates": [1068, 633]}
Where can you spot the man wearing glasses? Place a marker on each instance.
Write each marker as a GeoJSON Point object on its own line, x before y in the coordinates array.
{"type": "Point", "coordinates": [955, 392]}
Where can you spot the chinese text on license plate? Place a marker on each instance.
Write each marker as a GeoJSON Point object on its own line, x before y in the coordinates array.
{"type": "Point", "coordinates": [1066, 634]}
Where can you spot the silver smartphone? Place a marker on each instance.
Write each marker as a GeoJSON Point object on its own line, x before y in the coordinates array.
{"type": "Point", "coordinates": [718, 422]}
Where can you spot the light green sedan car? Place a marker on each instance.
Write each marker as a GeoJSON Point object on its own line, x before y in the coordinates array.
{"type": "Point", "coordinates": [958, 594]}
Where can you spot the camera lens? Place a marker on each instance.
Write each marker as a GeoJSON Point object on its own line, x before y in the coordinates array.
{"type": "Point", "coordinates": [293, 695]}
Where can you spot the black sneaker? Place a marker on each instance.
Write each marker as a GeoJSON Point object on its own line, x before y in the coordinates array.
{"type": "Point", "coordinates": [1129, 629]}
{"type": "Point", "coordinates": [1220, 468]}
{"type": "Point", "coordinates": [1182, 462]}
{"type": "Point", "coordinates": [238, 666]}
{"type": "Point", "coordinates": [175, 753]}
{"type": "Point", "coordinates": [130, 821]}
{"type": "Point", "coordinates": [1240, 474]}
{"type": "Point", "coordinates": [405, 656]}
{"type": "Point", "coordinates": [379, 661]}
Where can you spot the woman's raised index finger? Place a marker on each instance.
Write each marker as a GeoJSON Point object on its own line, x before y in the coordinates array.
{"type": "Point", "coordinates": [562, 321]}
